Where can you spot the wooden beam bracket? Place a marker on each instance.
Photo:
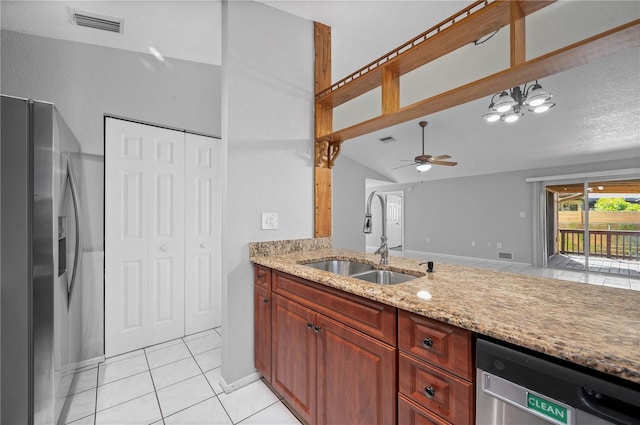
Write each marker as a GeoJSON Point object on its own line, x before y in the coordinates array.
{"type": "Point", "coordinates": [327, 152]}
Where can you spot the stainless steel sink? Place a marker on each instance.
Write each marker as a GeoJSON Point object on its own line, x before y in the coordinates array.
{"type": "Point", "coordinates": [342, 267]}
{"type": "Point", "coordinates": [384, 277]}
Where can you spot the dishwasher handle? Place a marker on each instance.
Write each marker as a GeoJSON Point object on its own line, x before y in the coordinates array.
{"type": "Point", "coordinates": [611, 408]}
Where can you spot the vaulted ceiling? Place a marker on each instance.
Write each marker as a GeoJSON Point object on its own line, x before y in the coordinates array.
{"type": "Point", "coordinates": [596, 117]}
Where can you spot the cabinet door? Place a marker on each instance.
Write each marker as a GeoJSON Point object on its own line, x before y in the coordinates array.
{"type": "Point", "coordinates": [293, 371]}
{"type": "Point", "coordinates": [356, 377]}
{"type": "Point", "coordinates": [262, 329]}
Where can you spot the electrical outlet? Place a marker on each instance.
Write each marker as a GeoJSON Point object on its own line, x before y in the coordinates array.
{"type": "Point", "coordinates": [428, 240]}
{"type": "Point", "coordinates": [499, 245]}
{"type": "Point", "coordinates": [269, 221]}
{"type": "Point", "coordinates": [488, 244]}
{"type": "Point", "coordinates": [522, 214]}
{"type": "Point", "coordinates": [473, 243]}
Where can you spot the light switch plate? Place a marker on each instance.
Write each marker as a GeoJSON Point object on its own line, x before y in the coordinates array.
{"type": "Point", "coordinates": [269, 221]}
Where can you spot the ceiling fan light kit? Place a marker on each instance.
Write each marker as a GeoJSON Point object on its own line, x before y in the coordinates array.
{"type": "Point", "coordinates": [424, 162]}
{"type": "Point", "coordinates": [509, 106]}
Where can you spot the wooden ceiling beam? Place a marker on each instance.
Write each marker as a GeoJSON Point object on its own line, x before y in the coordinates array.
{"type": "Point", "coordinates": [577, 54]}
{"type": "Point", "coordinates": [517, 34]}
{"type": "Point", "coordinates": [468, 25]}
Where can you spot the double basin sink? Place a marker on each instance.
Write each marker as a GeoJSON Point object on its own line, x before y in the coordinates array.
{"type": "Point", "coordinates": [361, 271]}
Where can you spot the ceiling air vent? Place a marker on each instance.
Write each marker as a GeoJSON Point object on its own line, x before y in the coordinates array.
{"type": "Point", "coordinates": [387, 139]}
{"type": "Point", "coordinates": [99, 22]}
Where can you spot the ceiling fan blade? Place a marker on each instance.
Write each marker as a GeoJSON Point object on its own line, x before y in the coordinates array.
{"type": "Point", "coordinates": [449, 163]}
{"type": "Point", "coordinates": [439, 157]}
{"type": "Point", "coordinates": [407, 165]}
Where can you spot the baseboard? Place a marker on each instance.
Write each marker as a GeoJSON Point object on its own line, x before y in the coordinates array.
{"type": "Point", "coordinates": [232, 386]}
{"type": "Point", "coordinates": [462, 257]}
{"type": "Point", "coordinates": [89, 363]}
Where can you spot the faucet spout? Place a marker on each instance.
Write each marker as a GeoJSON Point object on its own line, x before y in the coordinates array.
{"type": "Point", "coordinates": [383, 250]}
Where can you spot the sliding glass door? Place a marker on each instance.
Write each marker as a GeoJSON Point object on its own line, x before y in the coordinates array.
{"type": "Point", "coordinates": [594, 226]}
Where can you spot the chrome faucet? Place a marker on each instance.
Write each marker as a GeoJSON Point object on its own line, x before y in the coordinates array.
{"type": "Point", "coordinates": [384, 248]}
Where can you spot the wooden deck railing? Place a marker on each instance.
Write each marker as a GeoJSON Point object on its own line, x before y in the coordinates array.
{"type": "Point", "coordinates": [604, 243]}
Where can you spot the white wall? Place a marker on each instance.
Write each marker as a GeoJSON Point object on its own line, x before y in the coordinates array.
{"type": "Point", "coordinates": [267, 131]}
{"type": "Point", "coordinates": [85, 82]}
{"type": "Point", "coordinates": [349, 195]}
{"type": "Point", "coordinates": [454, 212]}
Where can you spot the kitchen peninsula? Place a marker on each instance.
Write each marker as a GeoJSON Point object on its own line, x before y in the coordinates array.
{"type": "Point", "coordinates": [593, 327]}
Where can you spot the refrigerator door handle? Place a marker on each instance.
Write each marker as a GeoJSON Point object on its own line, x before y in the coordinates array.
{"type": "Point", "coordinates": [78, 245]}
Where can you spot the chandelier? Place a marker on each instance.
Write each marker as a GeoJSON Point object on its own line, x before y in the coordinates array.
{"type": "Point", "coordinates": [509, 106]}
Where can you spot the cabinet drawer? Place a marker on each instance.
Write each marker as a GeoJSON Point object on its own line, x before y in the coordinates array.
{"type": "Point", "coordinates": [262, 276]}
{"type": "Point", "coordinates": [370, 317]}
{"type": "Point", "coordinates": [438, 391]}
{"type": "Point", "coordinates": [444, 345]}
{"type": "Point", "coordinates": [409, 413]}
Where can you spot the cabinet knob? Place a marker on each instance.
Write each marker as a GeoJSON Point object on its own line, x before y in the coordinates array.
{"type": "Point", "coordinates": [430, 392]}
{"type": "Point", "coordinates": [266, 300]}
{"type": "Point", "coordinates": [317, 329]}
{"type": "Point", "coordinates": [164, 248]}
{"type": "Point", "coordinates": [309, 325]}
{"type": "Point", "coordinates": [203, 245]}
{"type": "Point", "coordinates": [428, 343]}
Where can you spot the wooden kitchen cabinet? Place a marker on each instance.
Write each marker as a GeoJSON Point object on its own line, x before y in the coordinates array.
{"type": "Point", "coordinates": [293, 372]}
{"type": "Point", "coordinates": [262, 320]}
{"type": "Point", "coordinates": [356, 377]}
{"type": "Point", "coordinates": [435, 372]}
{"type": "Point", "coordinates": [329, 372]}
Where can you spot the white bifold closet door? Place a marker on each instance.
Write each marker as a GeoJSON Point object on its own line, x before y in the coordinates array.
{"type": "Point", "coordinates": [162, 235]}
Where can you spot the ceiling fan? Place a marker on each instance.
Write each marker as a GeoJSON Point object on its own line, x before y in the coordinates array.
{"type": "Point", "coordinates": [423, 161]}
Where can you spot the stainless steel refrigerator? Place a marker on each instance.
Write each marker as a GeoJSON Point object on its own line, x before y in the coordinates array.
{"type": "Point", "coordinates": [40, 255]}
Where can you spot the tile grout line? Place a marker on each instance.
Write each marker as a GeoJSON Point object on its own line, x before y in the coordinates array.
{"type": "Point", "coordinates": [155, 391]}
{"type": "Point", "coordinates": [209, 383]}
{"type": "Point", "coordinates": [95, 405]}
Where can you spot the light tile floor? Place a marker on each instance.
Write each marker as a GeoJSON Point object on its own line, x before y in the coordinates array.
{"type": "Point", "coordinates": [614, 281]}
{"type": "Point", "coordinates": [173, 383]}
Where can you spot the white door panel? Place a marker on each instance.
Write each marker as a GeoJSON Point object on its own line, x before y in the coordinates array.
{"type": "Point", "coordinates": [394, 219]}
{"type": "Point", "coordinates": [144, 269]}
{"type": "Point", "coordinates": [202, 233]}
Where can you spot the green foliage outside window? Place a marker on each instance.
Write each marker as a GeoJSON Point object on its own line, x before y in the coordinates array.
{"type": "Point", "coordinates": [615, 204]}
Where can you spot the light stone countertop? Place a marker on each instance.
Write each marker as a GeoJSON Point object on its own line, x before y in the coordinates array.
{"type": "Point", "coordinates": [597, 327]}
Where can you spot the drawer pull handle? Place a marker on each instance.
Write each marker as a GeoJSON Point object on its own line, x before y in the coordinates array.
{"type": "Point", "coordinates": [309, 325]}
{"type": "Point", "coordinates": [428, 343]}
{"type": "Point", "coordinates": [430, 392]}
{"type": "Point", "coordinates": [260, 275]}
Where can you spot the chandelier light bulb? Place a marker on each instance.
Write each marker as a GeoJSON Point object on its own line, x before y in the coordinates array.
{"type": "Point", "coordinates": [423, 167]}
{"type": "Point", "coordinates": [504, 102]}
{"type": "Point", "coordinates": [537, 96]}
{"type": "Point", "coordinates": [491, 116]}
{"type": "Point", "coordinates": [543, 107]}
{"type": "Point", "coordinates": [512, 117]}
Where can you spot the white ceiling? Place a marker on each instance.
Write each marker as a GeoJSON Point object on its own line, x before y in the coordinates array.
{"type": "Point", "coordinates": [577, 130]}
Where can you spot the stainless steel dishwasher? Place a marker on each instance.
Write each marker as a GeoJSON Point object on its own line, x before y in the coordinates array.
{"type": "Point", "coordinates": [519, 387]}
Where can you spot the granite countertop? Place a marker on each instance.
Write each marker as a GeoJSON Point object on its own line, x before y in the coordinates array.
{"type": "Point", "coordinates": [597, 327]}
